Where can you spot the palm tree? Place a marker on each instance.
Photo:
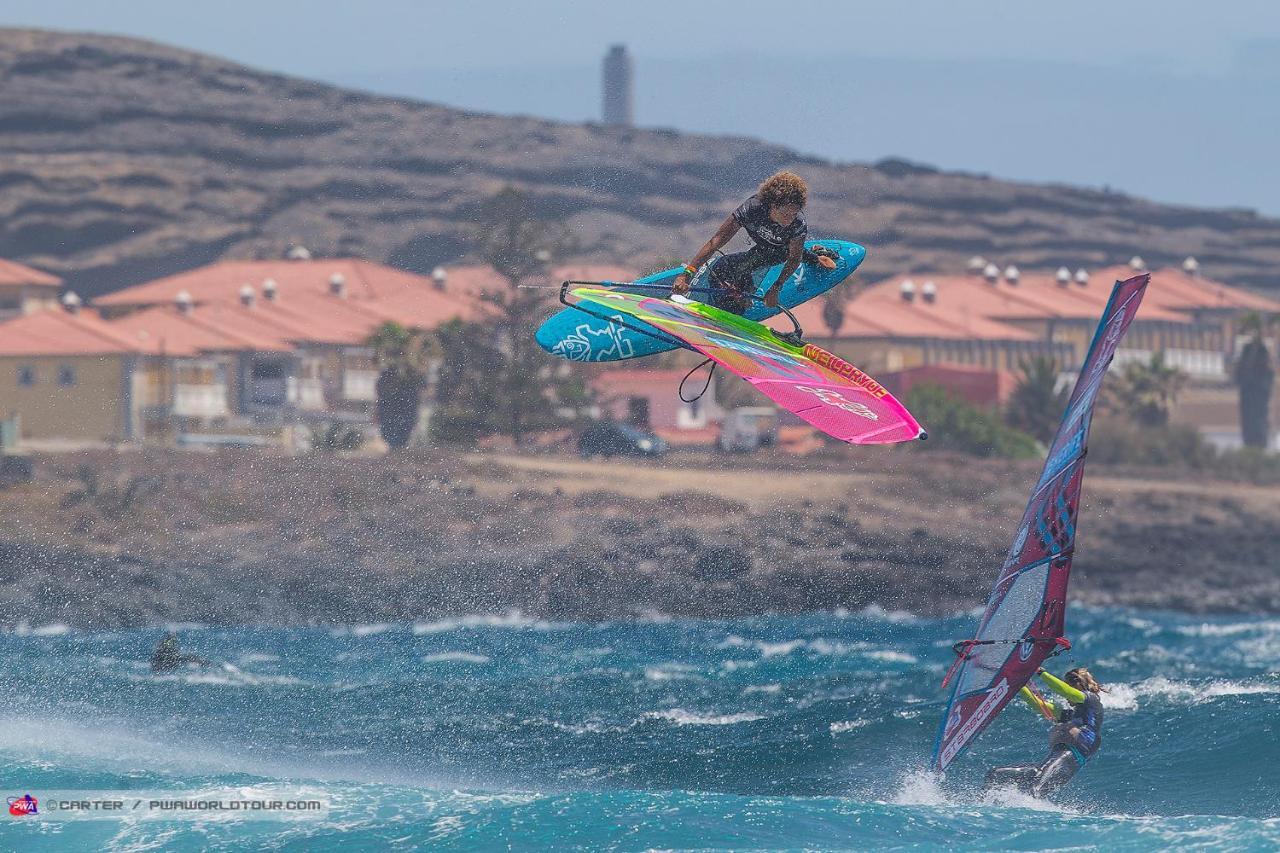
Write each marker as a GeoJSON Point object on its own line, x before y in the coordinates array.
{"type": "Point", "coordinates": [1037, 403]}
{"type": "Point", "coordinates": [1254, 376]}
{"type": "Point", "coordinates": [833, 313]}
{"type": "Point", "coordinates": [1146, 391]}
{"type": "Point", "coordinates": [495, 378]}
{"type": "Point", "coordinates": [401, 355]}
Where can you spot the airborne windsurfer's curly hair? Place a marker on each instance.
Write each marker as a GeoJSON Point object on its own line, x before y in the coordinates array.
{"type": "Point", "coordinates": [782, 189]}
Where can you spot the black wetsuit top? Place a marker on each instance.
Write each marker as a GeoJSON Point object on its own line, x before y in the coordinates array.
{"type": "Point", "coordinates": [772, 243]}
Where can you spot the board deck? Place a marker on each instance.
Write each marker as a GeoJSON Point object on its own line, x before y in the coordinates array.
{"type": "Point", "coordinates": [577, 336]}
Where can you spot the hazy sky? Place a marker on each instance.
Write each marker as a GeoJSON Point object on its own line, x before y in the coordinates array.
{"type": "Point", "coordinates": [1015, 89]}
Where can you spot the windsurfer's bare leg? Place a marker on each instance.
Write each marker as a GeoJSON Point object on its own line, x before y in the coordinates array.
{"type": "Point", "coordinates": [1055, 772]}
{"type": "Point", "coordinates": [1021, 776]}
{"type": "Point", "coordinates": [731, 289]}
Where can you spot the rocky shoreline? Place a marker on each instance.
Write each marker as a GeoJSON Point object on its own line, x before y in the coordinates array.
{"type": "Point", "coordinates": [152, 537]}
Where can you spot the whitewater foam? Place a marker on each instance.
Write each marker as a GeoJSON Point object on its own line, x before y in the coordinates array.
{"type": "Point", "coordinates": [512, 619]}
{"type": "Point", "coordinates": [843, 726]}
{"type": "Point", "coordinates": [455, 657]}
{"type": "Point", "coordinates": [53, 629]}
{"type": "Point", "coordinates": [681, 717]}
{"type": "Point", "coordinates": [1200, 692]}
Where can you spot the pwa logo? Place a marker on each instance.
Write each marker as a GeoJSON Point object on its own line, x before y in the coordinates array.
{"type": "Point", "coordinates": [834, 398]}
{"type": "Point", "coordinates": [23, 806]}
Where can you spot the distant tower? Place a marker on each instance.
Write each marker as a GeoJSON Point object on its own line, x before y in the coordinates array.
{"type": "Point", "coordinates": [617, 87]}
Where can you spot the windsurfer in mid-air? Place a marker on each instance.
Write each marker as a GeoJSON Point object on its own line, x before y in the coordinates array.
{"type": "Point", "coordinates": [1075, 737]}
{"type": "Point", "coordinates": [772, 220]}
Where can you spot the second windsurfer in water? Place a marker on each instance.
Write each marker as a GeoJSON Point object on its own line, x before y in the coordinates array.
{"type": "Point", "coordinates": [1074, 739]}
{"type": "Point", "coordinates": [772, 220]}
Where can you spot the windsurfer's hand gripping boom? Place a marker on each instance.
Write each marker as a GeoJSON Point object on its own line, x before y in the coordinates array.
{"type": "Point", "coordinates": [723, 235]}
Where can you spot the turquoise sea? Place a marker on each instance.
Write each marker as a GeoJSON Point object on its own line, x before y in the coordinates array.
{"type": "Point", "coordinates": [497, 732]}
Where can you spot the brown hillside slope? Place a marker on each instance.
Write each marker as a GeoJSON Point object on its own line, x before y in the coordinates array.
{"type": "Point", "coordinates": [143, 538]}
{"type": "Point", "coordinates": [122, 160]}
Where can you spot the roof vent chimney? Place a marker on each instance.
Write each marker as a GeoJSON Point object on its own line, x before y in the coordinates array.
{"type": "Point", "coordinates": [298, 253]}
{"type": "Point", "coordinates": [248, 295]}
{"type": "Point", "coordinates": [338, 285]}
{"type": "Point", "coordinates": [438, 277]}
{"type": "Point", "coordinates": [184, 303]}
{"type": "Point", "coordinates": [1138, 264]}
{"type": "Point", "coordinates": [72, 302]}
{"type": "Point", "coordinates": [1064, 276]}
{"type": "Point", "coordinates": [1082, 277]}
{"type": "Point", "coordinates": [991, 273]}
{"type": "Point", "coordinates": [1191, 266]}
{"type": "Point", "coordinates": [269, 291]}
{"type": "Point", "coordinates": [929, 292]}
{"type": "Point", "coordinates": [907, 290]}
{"type": "Point", "coordinates": [976, 263]}
{"type": "Point", "coordinates": [1012, 274]}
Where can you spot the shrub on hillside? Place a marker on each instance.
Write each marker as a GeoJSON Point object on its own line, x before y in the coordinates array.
{"type": "Point", "coordinates": [1249, 464]}
{"type": "Point", "coordinates": [954, 424]}
{"type": "Point", "coordinates": [1119, 441]}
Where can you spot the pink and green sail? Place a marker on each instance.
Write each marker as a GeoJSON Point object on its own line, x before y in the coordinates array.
{"type": "Point", "coordinates": [822, 388]}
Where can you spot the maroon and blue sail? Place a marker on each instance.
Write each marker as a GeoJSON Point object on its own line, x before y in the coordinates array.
{"type": "Point", "coordinates": [1024, 619]}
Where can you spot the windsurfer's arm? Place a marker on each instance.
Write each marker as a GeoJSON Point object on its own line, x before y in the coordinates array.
{"type": "Point", "coordinates": [1041, 706]}
{"type": "Point", "coordinates": [795, 255]}
{"type": "Point", "coordinates": [722, 236]}
{"type": "Point", "coordinates": [1066, 691]}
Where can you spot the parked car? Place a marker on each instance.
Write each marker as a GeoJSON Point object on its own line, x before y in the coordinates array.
{"type": "Point", "coordinates": [749, 427]}
{"type": "Point", "coordinates": [607, 438]}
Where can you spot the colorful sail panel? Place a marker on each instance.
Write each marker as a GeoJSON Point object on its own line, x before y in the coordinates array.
{"type": "Point", "coordinates": [1025, 615]}
{"type": "Point", "coordinates": [821, 388]}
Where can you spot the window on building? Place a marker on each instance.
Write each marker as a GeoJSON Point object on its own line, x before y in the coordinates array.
{"type": "Point", "coordinates": [26, 376]}
{"type": "Point", "coordinates": [66, 376]}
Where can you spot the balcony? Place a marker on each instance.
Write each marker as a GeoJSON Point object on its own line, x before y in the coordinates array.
{"type": "Point", "coordinates": [200, 401]}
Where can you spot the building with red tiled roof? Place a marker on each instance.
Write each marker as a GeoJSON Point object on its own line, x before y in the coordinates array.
{"type": "Point", "coordinates": [648, 399]}
{"type": "Point", "coordinates": [897, 325]}
{"type": "Point", "coordinates": [25, 290]}
{"type": "Point", "coordinates": [166, 331]}
{"type": "Point", "coordinates": [995, 318]}
{"type": "Point", "coordinates": [355, 278]}
{"type": "Point", "coordinates": [240, 339]}
{"type": "Point", "coordinates": [69, 375]}
{"type": "Point", "coordinates": [54, 333]}
{"type": "Point", "coordinates": [980, 386]}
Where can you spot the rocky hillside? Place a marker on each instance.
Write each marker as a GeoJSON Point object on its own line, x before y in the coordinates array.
{"type": "Point", "coordinates": [122, 160]}
{"type": "Point", "coordinates": [141, 538]}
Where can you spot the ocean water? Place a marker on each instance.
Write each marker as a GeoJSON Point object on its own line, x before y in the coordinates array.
{"type": "Point", "coordinates": [502, 732]}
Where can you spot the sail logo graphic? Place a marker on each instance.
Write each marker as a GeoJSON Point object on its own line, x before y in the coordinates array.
{"type": "Point", "coordinates": [23, 806]}
{"type": "Point", "coordinates": [837, 400]}
{"type": "Point", "coordinates": [975, 722]}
